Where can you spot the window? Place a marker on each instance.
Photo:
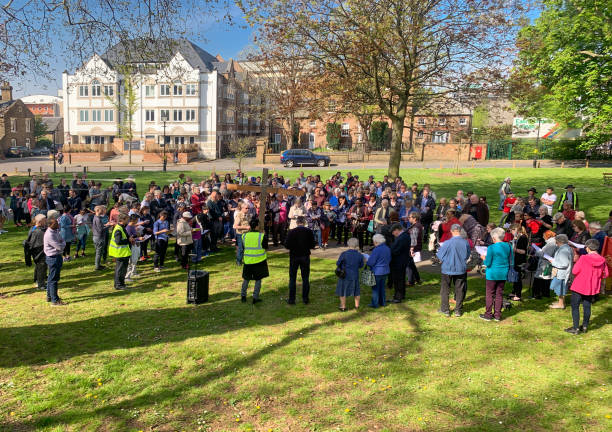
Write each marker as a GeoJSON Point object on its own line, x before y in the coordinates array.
{"type": "Point", "coordinates": [440, 137]}
{"type": "Point", "coordinates": [109, 115]}
{"type": "Point", "coordinates": [245, 98]}
{"type": "Point", "coordinates": [345, 130]}
{"type": "Point", "coordinates": [164, 90]}
{"type": "Point", "coordinates": [331, 106]}
{"type": "Point", "coordinates": [164, 115]}
{"type": "Point", "coordinates": [87, 140]}
{"type": "Point", "coordinates": [95, 88]}
{"type": "Point", "coordinates": [277, 138]}
{"type": "Point", "coordinates": [150, 115]}
{"type": "Point", "coordinates": [311, 141]}
{"type": "Point", "coordinates": [13, 142]}
{"type": "Point", "coordinates": [178, 90]}
{"type": "Point", "coordinates": [96, 115]}
{"type": "Point", "coordinates": [441, 121]}
{"type": "Point", "coordinates": [462, 121]}
{"type": "Point", "coordinates": [179, 141]}
{"type": "Point", "coordinates": [149, 91]}
{"type": "Point", "coordinates": [27, 142]}
{"type": "Point", "coordinates": [192, 140]}
{"type": "Point", "coordinates": [421, 121]}
{"type": "Point", "coordinates": [190, 90]}
{"type": "Point", "coordinates": [28, 124]}
{"type": "Point", "coordinates": [177, 115]}
{"type": "Point", "coordinates": [420, 134]}
{"type": "Point", "coordinates": [13, 125]}
{"type": "Point", "coordinates": [83, 91]}
{"type": "Point", "coordinates": [84, 115]}
{"type": "Point", "coordinates": [98, 140]}
{"type": "Point", "coordinates": [245, 120]}
{"type": "Point", "coordinates": [190, 115]}
{"type": "Point", "coordinates": [109, 90]}
{"type": "Point", "coordinates": [313, 123]}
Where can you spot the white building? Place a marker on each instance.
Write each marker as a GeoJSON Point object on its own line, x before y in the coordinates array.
{"type": "Point", "coordinates": [193, 90]}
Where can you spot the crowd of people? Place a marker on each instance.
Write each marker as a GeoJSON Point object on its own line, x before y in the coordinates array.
{"type": "Point", "coordinates": [384, 223]}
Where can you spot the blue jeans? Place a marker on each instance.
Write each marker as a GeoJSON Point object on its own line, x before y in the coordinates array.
{"type": "Point", "coordinates": [239, 249]}
{"type": "Point", "coordinates": [197, 250]}
{"type": "Point", "coordinates": [317, 236]}
{"type": "Point", "coordinates": [502, 198]}
{"type": "Point", "coordinates": [82, 241]}
{"type": "Point", "coordinates": [378, 292]}
{"type": "Point", "coordinates": [54, 263]}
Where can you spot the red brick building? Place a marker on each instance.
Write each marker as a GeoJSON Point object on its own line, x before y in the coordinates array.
{"type": "Point", "coordinates": [44, 105]}
{"type": "Point", "coordinates": [16, 122]}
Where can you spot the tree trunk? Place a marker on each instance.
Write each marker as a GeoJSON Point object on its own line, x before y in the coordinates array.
{"type": "Point", "coordinates": [423, 151]}
{"type": "Point", "coordinates": [395, 153]}
{"type": "Point", "coordinates": [411, 139]}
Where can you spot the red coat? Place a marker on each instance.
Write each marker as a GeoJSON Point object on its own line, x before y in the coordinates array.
{"type": "Point", "coordinates": [445, 227]}
{"type": "Point", "coordinates": [588, 272]}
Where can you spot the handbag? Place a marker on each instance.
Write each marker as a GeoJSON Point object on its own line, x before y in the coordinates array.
{"type": "Point", "coordinates": [340, 272]}
{"type": "Point", "coordinates": [513, 275]}
{"type": "Point", "coordinates": [367, 277]}
{"type": "Point", "coordinates": [371, 226]}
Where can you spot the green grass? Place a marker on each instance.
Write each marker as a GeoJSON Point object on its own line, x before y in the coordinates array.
{"type": "Point", "coordinates": [167, 366]}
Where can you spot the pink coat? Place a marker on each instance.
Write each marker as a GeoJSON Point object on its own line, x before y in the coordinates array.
{"type": "Point", "coordinates": [588, 272]}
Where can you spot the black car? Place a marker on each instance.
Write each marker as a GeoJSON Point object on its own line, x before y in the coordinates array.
{"type": "Point", "coordinates": [40, 151]}
{"type": "Point", "coordinates": [19, 151]}
{"type": "Point", "coordinates": [298, 157]}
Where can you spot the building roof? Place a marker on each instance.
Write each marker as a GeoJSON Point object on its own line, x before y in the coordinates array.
{"type": "Point", "coordinates": [41, 99]}
{"type": "Point", "coordinates": [5, 106]}
{"type": "Point", "coordinates": [155, 52]}
{"type": "Point", "coordinates": [52, 123]}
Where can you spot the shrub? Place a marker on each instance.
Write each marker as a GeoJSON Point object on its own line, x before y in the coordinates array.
{"type": "Point", "coordinates": [378, 135]}
{"type": "Point", "coordinates": [334, 131]}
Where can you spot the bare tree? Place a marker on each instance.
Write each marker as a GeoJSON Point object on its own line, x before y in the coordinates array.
{"type": "Point", "coordinates": [241, 148]}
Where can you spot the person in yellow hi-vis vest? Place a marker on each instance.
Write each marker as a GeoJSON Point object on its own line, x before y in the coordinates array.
{"type": "Point", "coordinates": [119, 248]}
{"type": "Point", "coordinates": [255, 260]}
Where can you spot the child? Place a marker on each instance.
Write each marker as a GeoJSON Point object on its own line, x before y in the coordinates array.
{"type": "Point", "coordinates": [329, 218]}
{"type": "Point", "coordinates": [161, 228]}
{"type": "Point", "coordinates": [146, 220]}
{"type": "Point", "coordinates": [133, 230]}
{"type": "Point", "coordinates": [82, 231]}
{"type": "Point", "coordinates": [66, 226]}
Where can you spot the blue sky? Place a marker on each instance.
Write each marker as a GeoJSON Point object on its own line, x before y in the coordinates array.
{"type": "Point", "coordinates": [217, 37]}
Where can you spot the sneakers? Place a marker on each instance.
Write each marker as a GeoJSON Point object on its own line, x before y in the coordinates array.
{"type": "Point", "coordinates": [58, 303]}
{"type": "Point", "coordinates": [484, 317]}
{"type": "Point", "coordinates": [243, 299]}
{"type": "Point", "coordinates": [157, 270]}
{"type": "Point", "coordinates": [572, 330]}
{"type": "Point", "coordinates": [458, 313]}
{"type": "Point", "coordinates": [256, 300]}
{"type": "Point", "coordinates": [583, 329]}
{"type": "Point", "coordinates": [445, 313]}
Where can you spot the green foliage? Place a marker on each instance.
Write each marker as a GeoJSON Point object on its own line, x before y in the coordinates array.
{"type": "Point", "coordinates": [333, 135]}
{"type": "Point", "coordinates": [548, 149]}
{"type": "Point", "coordinates": [564, 67]}
{"type": "Point", "coordinates": [378, 135]}
{"type": "Point", "coordinates": [484, 134]}
{"type": "Point", "coordinates": [44, 142]}
{"type": "Point", "coordinates": [40, 128]}
{"type": "Point", "coordinates": [241, 148]}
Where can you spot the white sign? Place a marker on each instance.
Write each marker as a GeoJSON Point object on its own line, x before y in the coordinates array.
{"type": "Point", "coordinates": [528, 127]}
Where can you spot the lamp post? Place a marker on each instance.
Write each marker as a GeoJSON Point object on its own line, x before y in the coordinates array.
{"type": "Point", "coordinates": [164, 119]}
{"type": "Point", "coordinates": [537, 149]}
{"type": "Point", "coordinates": [54, 150]}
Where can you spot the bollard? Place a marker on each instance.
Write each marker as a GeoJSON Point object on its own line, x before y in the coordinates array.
{"type": "Point", "coordinates": [142, 168]}
{"type": "Point", "coordinates": [15, 170]}
{"type": "Point", "coordinates": [29, 172]}
{"type": "Point", "coordinates": [440, 165]}
{"type": "Point", "coordinates": [513, 164]}
{"type": "Point", "coordinates": [40, 168]}
{"type": "Point", "coordinates": [538, 164]}
{"type": "Point", "coordinates": [110, 168]}
{"type": "Point", "coordinates": [85, 170]}
{"type": "Point", "coordinates": [64, 169]}
{"type": "Point", "coordinates": [587, 164]}
{"type": "Point", "coordinates": [472, 164]}
{"type": "Point", "coordinates": [562, 164]}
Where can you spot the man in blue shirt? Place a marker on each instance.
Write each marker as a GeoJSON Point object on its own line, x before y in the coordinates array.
{"type": "Point", "coordinates": [454, 254]}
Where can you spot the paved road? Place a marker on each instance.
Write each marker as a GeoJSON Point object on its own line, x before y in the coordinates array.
{"type": "Point", "coordinates": [120, 163]}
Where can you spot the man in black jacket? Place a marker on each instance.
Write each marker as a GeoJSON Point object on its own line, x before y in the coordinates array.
{"type": "Point", "coordinates": [400, 253]}
{"type": "Point", "coordinates": [34, 244]}
{"type": "Point", "coordinates": [299, 241]}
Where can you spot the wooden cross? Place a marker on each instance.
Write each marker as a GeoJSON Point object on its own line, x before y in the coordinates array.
{"type": "Point", "coordinates": [264, 190]}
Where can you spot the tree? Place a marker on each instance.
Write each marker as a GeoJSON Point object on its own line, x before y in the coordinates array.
{"type": "Point", "coordinates": [333, 135]}
{"type": "Point", "coordinates": [127, 105]}
{"type": "Point", "coordinates": [31, 30]}
{"type": "Point", "coordinates": [564, 66]}
{"type": "Point", "coordinates": [378, 134]}
{"type": "Point", "coordinates": [40, 128]}
{"type": "Point", "coordinates": [241, 148]}
{"type": "Point", "coordinates": [388, 50]}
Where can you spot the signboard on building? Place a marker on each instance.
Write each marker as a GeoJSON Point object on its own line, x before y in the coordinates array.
{"type": "Point", "coordinates": [548, 129]}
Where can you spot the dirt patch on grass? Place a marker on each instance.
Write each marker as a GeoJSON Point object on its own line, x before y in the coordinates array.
{"type": "Point", "coordinates": [452, 174]}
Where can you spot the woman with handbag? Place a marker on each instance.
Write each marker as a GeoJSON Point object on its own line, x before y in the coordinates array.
{"type": "Point", "coordinates": [562, 270]}
{"type": "Point", "coordinates": [379, 264]}
{"type": "Point", "coordinates": [520, 242]}
{"type": "Point", "coordinates": [347, 270]}
{"type": "Point", "coordinates": [543, 275]}
{"type": "Point", "coordinates": [498, 262]}
{"type": "Point", "coordinates": [359, 222]}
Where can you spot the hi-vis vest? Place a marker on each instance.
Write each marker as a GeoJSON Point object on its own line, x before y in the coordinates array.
{"type": "Point", "coordinates": [118, 251]}
{"type": "Point", "coordinates": [253, 251]}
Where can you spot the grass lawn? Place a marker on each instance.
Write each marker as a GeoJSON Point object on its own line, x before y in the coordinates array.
{"type": "Point", "coordinates": [142, 359]}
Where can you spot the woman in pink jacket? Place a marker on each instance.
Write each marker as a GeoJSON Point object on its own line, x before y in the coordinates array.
{"type": "Point", "coordinates": [588, 272]}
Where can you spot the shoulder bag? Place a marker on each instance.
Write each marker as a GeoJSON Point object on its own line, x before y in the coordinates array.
{"type": "Point", "coordinates": [367, 277]}
{"type": "Point", "coordinates": [513, 275]}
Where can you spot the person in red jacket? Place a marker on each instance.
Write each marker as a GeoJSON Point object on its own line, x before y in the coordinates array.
{"type": "Point", "coordinates": [588, 272]}
{"type": "Point", "coordinates": [508, 203]}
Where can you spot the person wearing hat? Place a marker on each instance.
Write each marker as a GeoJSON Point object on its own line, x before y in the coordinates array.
{"type": "Point", "coordinates": [184, 238]}
{"type": "Point", "coordinates": [119, 248]}
{"type": "Point", "coordinates": [531, 193]}
{"type": "Point", "coordinates": [255, 260]}
{"type": "Point", "coordinates": [548, 199]}
{"type": "Point", "coordinates": [568, 196]}
{"type": "Point", "coordinates": [35, 248]}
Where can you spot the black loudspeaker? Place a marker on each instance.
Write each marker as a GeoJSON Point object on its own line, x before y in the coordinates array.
{"type": "Point", "coordinates": [197, 287]}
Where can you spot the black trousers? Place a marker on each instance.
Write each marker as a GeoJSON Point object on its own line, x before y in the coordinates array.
{"type": "Point", "coordinates": [413, 273]}
{"type": "Point", "coordinates": [121, 266]}
{"type": "Point", "coordinates": [517, 287]}
{"type": "Point", "coordinates": [460, 284]}
{"type": "Point", "coordinates": [398, 280]}
{"type": "Point", "coordinates": [303, 263]}
{"type": "Point", "coordinates": [185, 251]}
{"type": "Point", "coordinates": [341, 228]}
{"type": "Point", "coordinates": [361, 237]}
{"type": "Point", "coordinates": [40, 273]}
{"type": "Point", "coordinates": [216, 233]}
{"type": "Point", "coordinates": [161, 246]}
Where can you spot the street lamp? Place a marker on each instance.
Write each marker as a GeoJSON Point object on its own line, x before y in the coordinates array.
{"type": "Point", "coordinates": [164, 119]}
{"type": "Point", "coordinates": [53, 149]}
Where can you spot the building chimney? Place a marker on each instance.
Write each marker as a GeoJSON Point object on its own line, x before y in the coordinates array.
{"type": "Point", "coordinates": [6, 92]}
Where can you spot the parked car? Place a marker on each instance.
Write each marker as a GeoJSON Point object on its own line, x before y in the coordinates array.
{"type": "Point", "coordinates": [294, 157]}
{"type": "Point", "coordinates": [19, 151]}
{"type": "Point", "coordinates": [40, 151]}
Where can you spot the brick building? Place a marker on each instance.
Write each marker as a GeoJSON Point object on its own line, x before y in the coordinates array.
{"type": "Point", "coordinates": [44, 105]}
{"type": "Point", "coordinates": [16, 122]}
